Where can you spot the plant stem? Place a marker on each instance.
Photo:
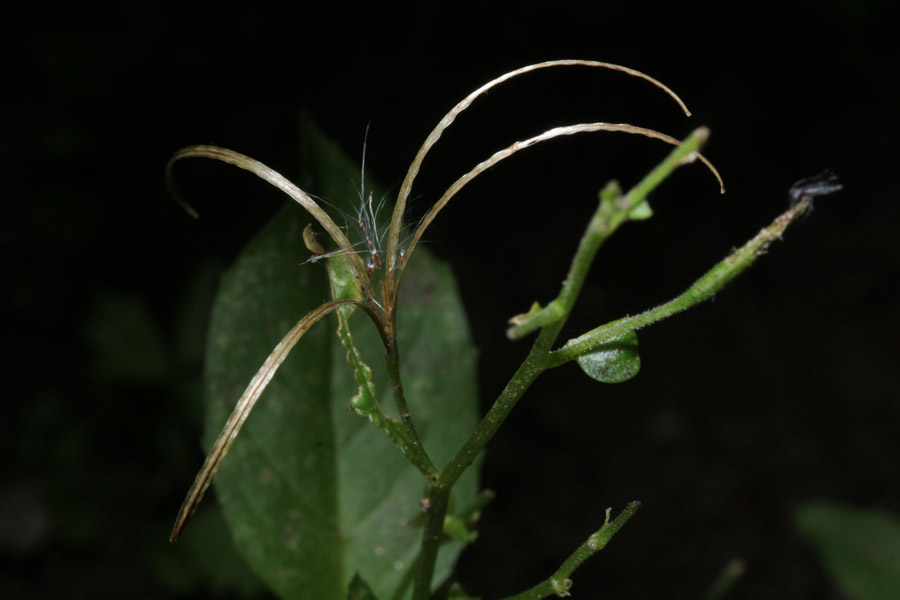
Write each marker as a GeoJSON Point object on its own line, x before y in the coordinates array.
{"type": "Point", "coordinates": [401, 431]}
{"type": "Point", "coordinates": [437, 502]}
{"type": "Point", "coordinates": [559, 583]}
{"type": "Point", "coordinates": [614, 210]}
{"type": "Point", "coordinates": [524, 376]}
{"type": "Point", "coordinates": [439, 490]}
{"type": "Point", "coordinates": [702, 289]}
{"type": "Point", "coordinates": [413, 449]}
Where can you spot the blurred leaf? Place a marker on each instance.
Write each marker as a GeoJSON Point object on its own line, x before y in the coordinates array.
{"type": "Point", "coordinates": [614, 362]}
{"type": "Point", "coordinates": [312, 492]}
{"type": "Point", "coordinates": [127, 343]}
{"type": "Point", "coordinates": [860, 548]}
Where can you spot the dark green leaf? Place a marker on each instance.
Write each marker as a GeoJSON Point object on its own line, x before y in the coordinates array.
{"type": "Point", "coordinates": [860, 548]}
{"type": "Point", "coordinates": [312, 492]}
{"type": "Point", "coordinates": [614, 362]}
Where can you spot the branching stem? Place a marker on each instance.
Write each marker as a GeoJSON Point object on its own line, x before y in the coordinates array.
{"type": "Point", "coordinates": [610, 214]}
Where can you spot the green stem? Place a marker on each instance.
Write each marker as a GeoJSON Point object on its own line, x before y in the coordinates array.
{"type": "Point", "coordinates": [414, 448]}
{"type": "Point", "coordinates": [614, 210]}
{"type": "Point", "coordinates": [439, 490]}
{"type": "Point", "coordinates": [436, 509]}
{"type": "Point", "coordinates": [469, 515]}
{"type": "Point", "coordinates": [365, 402]}
{"type": "Point", "coordinates": [559, 583]}
{"type": "Point", "coordinates": [524, 376]}
{"type": "Point", "coordinates": [685, 153]}
{"type": "Point", "coordinates": [346, 283]}
{"type": "Point", "coordinates": [702, 289]}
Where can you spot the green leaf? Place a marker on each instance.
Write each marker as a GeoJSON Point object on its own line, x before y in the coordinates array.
{"type": "Point", "coordinates": [359, 589]}
{"type": "Point", "coordinates": [860, 548]}
{"type": "Point", "coordinates": [615, 362]}
{"type": "Point", "coordinates": [312, 492]}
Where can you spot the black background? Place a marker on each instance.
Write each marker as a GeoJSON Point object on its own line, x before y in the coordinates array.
{"type": "Point", "coordinates": [782, 390]}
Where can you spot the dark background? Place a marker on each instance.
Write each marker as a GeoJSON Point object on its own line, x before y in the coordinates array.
{"type": "Point", "coordinates": [782, 390]}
